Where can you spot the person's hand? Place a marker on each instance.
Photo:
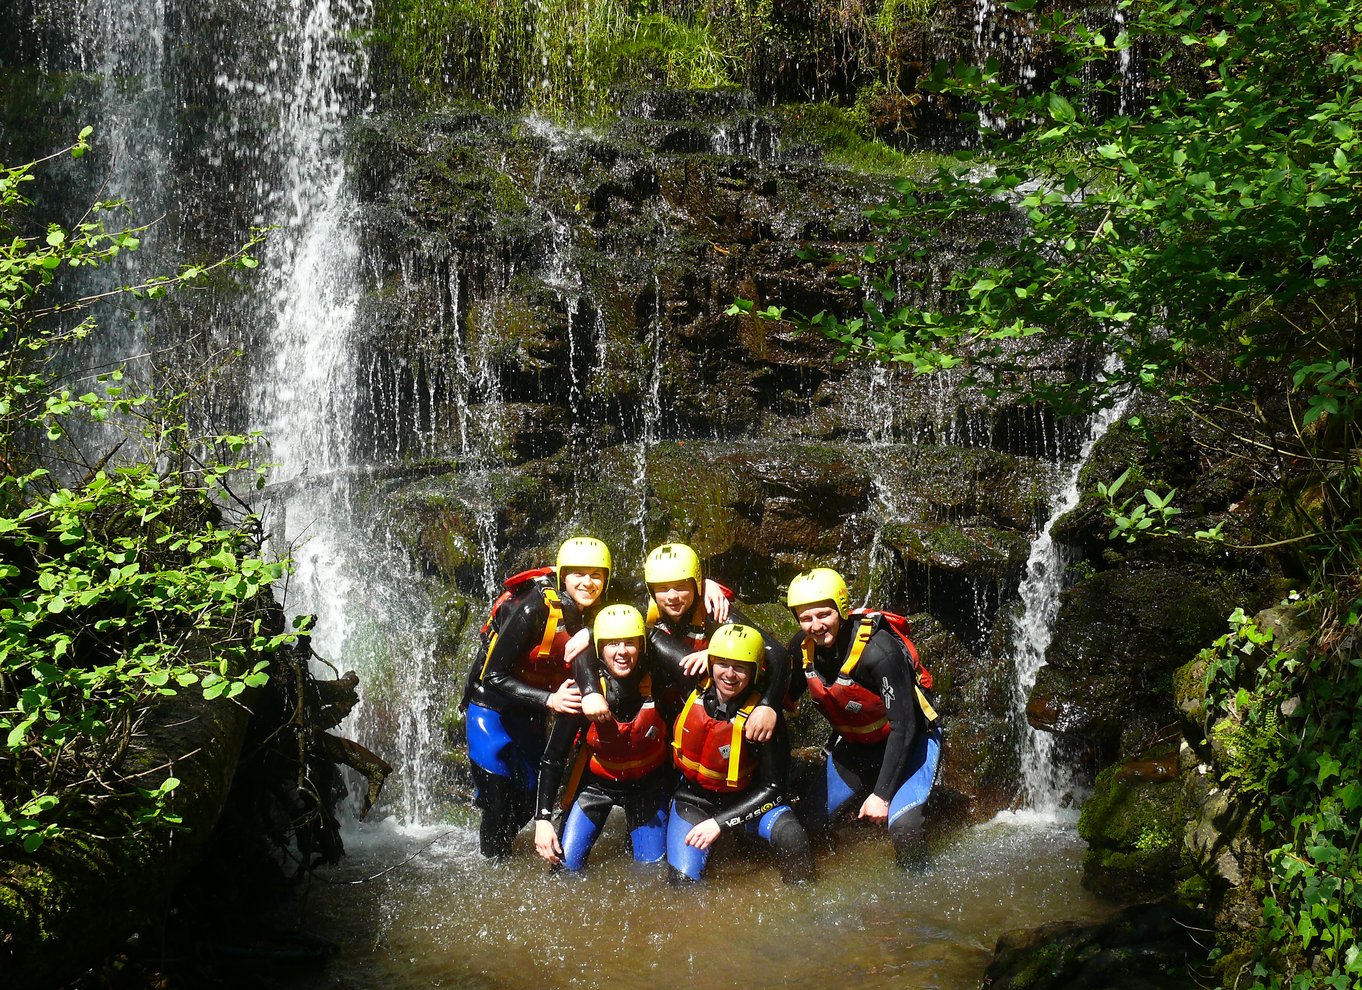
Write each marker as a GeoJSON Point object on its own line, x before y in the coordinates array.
{"type": "Point", "coordinates": [695, 664]}
{"type": "Point", "coordinates": [595, 707]}
{"type": "Point", "coordinates": [702, 836]}
{"type": "Point", "coordinates": [716, 602]}
{"type": "Point", "coordinates": [546, 842]}
{"type": "Point", "coordinates": [876, 809]}
{"type": "Point", "coordinates": [567, 700]}
{"type": "Point", "coordinates": [576, 644]}
{"type": "Point", "coordinates": [761, 724]}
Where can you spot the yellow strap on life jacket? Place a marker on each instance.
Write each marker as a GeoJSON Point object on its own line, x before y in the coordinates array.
{"type": "Point", "coordinates": [735, 740]}
{"type": "Point", "coordinates": [551, 626]}
{"type": "Point", "coordinates": [863, 633]}
{"type": "Point", "coordinates": [491, 645]}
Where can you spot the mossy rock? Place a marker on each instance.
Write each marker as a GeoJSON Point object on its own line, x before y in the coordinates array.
{"type": "Point", "coordinates": [1133, 823]}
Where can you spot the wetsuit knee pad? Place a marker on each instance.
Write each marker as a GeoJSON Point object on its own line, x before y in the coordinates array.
{"type": "Point", "coordinates": [648, 839]}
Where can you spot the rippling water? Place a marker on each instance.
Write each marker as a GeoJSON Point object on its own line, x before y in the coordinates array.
{"type": "Point", "coordinates": [449, 919]}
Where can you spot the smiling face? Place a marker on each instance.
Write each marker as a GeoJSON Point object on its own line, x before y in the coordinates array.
{"type": "Point", "coordinates": [731, 677]}
{"type": "Point", "coordinates": [674, 599]}
{"type": "Point", "coordinates": [584, 585]}
{"type": "Point", "coordinates": [821, 621]}
{"type": "Point", "coordinates": [620, 656]}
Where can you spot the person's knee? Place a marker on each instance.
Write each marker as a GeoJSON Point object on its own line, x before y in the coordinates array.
{"type": "Point", "coordinates": [791, 844]}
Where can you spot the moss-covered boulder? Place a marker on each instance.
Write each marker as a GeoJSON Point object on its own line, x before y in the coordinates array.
{"type": "Point", "coordinates": [1142, 947]}
{"type": "Point", "coordinates": [1133, 824]}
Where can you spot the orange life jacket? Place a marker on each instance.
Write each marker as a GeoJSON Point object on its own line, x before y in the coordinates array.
{"type": "Point", "coordinates": [711, 752]}
{"type": "Point", "coordinates": [629, 750]}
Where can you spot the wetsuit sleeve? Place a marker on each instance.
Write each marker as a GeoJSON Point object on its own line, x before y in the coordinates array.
{"type": "Point", "coordinates": [776, 679]}
{"type": "Point", "coordinates": [586, 670]}
{"type": "Point", "coordinates": [552, 763]}
{"type": "Point", "coordinates": [522, 631]}
{"type": "Point", "coordinates": [795, 649]}
{"type": "Point", "coordinates": [665, 654]}
{"type": "Point", "coordinates": [886, 669]}
{"type": "Point", "coordinates": [768, 783]}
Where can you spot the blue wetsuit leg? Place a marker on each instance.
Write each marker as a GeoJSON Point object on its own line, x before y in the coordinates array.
{"type": "Point", "coordinates": [504, 749]}
{"type": "Point", "coordinates": [579, 835]}
{"type": "Point", "coordinates": [923, 768]}
{"type": "Point", "coordinates": [686, 860]}
{"type": "Point", "coordinates": [827, 794]}
{"type": "Point", "coordinates": [649, 837]}
{"type": "Point", "coordinates": [505, 744]}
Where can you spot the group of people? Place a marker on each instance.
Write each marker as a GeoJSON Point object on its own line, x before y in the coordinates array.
{"type": "Point", "coordinates": [678, 718]}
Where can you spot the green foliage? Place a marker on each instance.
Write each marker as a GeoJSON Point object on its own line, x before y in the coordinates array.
{"type": "Point", "coordinates": [845, 138]}
{"type": "Point", "coordinates": [1207, 243]}
{"type": "Point", "coordinates": [568, 57]}
{"type": "Point", "coordinates": [1288, 744]}
{"type": "Point", "coordinates": [121, 581]}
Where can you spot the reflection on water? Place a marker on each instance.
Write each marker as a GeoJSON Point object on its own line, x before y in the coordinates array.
{"type": "Point", "coordinates": [448, 919]}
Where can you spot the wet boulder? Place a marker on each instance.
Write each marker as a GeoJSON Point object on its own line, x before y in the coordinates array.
{"type": "Point", "coordinates": [1133, 823]}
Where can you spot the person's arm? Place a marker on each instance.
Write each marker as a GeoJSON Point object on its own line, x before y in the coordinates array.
{"type": "Point", "coordinates": [551, 765]}
{"type": "Point", "coordinates": [794, 651]}
{"type": "Point", "coordinates": [666, 656]}
{"type": "Point", "coordinates": [554, 761]}
{"type": "Point", "coordinates": [886, 669]}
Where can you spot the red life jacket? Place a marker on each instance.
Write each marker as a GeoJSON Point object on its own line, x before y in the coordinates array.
{"type": "Point", "coordinates": [711, 752]}
{"type": "Point", "coordinates": [629, 750]}
{"type": "Point", "coordinates": [857, 712]}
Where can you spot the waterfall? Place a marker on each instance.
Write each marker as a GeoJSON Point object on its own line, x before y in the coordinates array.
{"type": "Point", "coordinates": [1046, 785]}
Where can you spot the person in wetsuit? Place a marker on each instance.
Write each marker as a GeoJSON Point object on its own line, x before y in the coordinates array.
{"type": "Point", "coordinates": [624, 759]}
{"type": "Point", "coordinates": [524, 677]}
{"type": "Point", "coordinates": [678, 636]}
{"type": "Point", "coordinates": [729, 783]}
{"type": "Point", "coordinates": [883, 751]}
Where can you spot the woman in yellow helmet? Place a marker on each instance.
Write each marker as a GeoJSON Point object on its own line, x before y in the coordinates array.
{"type": "Point", "coordinates": [623, 760]}
{"type": "Point", "coordinates": [729, 783]}
{"type": "Point", "coordinates": [524, 676]}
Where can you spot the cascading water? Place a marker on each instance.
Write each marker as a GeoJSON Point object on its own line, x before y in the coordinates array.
{"type": "Point", "coordinates": [1047, 785]}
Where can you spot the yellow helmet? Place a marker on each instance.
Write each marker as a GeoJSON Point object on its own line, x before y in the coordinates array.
{"type": "Point", "coordinates": [821, 584]}
{"type": "Point", "coordinates": [617, 622]}
{"type": "Point", "coordinates": [741, 644]}
{"type": "Point", "coordinates": [672, 562]}
{"type": "Point", "coordinates": [583, 553]}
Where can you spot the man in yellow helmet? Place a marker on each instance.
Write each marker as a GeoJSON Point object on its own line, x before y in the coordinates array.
{"type": "Point", "coordinates": [863, 676]}
{"type": "Point", "coordinates": [524, 676]}
{"type": "Point", "coordinates": [728, 783]}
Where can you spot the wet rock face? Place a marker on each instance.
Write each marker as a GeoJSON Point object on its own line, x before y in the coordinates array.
{"type": "Point", "coordinates": [1119, 637]}
{"type": "Point", "coordinates": [1133, 823]}
{"type": "Point", "coordinates": [1143, 946]}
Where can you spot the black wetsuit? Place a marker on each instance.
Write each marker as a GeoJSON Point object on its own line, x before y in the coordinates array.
{"type": "Point", "coordinates": [759, 808]}
{"type": "Point", "coordinates": [644, 800]}
{"type": "Point", "coordinates": [865, 768]}
{"type": "Point", "coordinates": [507, 720]}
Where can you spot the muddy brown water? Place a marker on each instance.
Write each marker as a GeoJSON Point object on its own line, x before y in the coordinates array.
{"type": "Point", "coordinates": [446, 918]}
